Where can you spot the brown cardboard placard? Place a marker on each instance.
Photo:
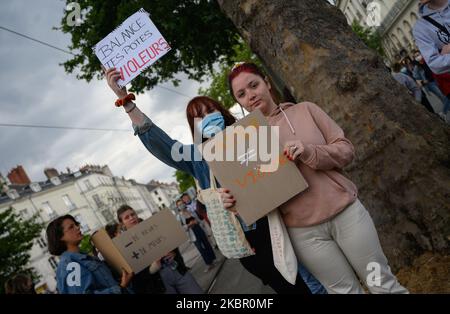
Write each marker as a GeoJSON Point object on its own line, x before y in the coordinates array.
{"type": "Point", "coordinates": [138, 247]}
{"type": "Point", "coordinates": [256, 192]}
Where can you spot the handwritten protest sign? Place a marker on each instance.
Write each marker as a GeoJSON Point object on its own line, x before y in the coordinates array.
{"type": "Point", "coordinates": [246, 146]}
{"type": "Point", "coordinates": [132, 47]}
{"type": "Point", "coordinates": [138, 247]}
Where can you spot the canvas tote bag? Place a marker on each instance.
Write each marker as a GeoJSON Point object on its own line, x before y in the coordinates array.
{"type": "Point", "coordinates": [225, 226]}
{"type": "Point", "coordinates": [284, 257]}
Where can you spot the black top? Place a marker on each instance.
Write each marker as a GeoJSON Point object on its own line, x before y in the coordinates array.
{"type": "Point", "coordinates": [146, 283]}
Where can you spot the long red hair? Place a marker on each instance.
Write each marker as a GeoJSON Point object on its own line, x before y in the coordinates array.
{"type": "Point", "coordinates": [196, 106]}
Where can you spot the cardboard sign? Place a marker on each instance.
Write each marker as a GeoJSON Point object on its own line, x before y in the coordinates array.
{"type": "Point", "coordinates": [132, 47]}
{"type": "Point", "coordinates": [257, 191]}
{"type": "Point", "coordinates": [138, 247]}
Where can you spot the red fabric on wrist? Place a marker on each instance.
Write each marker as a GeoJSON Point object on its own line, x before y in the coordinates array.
{"type": "Point", "coordinates": [124, 100]}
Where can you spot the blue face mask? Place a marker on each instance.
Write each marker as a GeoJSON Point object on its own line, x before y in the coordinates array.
{"type": "Point", "coordinates": [212, 124]}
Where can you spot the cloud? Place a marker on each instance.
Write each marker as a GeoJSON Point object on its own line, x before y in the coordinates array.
{"type": "Point", "coordinates": [36, 90]}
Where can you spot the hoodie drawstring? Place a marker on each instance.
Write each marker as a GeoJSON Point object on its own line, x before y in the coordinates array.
{"type": "Point", "coordinates": [287, 119]}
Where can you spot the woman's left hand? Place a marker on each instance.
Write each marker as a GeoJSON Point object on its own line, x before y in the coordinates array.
{"type": "Point", "coordinates": [293, 149]}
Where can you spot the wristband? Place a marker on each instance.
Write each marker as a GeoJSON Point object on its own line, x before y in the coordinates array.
{"type": "Point", "coordinates": [126, 99]}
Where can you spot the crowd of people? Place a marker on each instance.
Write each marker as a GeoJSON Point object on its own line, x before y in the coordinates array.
{"type": "Point", "coordinates": [426, 71]}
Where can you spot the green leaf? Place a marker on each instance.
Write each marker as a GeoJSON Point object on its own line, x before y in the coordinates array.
{"type": "Point", "coordinates": [16, 240]}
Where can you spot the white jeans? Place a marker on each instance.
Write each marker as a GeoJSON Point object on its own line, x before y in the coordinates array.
{"type": "Point", "coordinates": [347, 244]}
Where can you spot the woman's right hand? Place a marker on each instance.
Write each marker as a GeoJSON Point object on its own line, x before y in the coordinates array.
{"type": "Point", "coordinates": [126, 278]}
{"type": "Point", "coordinates": [227, 199]}
{"type": "Point", "coordinates": [112, 75]}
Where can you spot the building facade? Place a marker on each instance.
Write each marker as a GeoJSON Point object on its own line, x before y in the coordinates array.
{"type": "Point", "coordinates": [92, 196]}
{"type": "Point", "coordinates": [395, 24]}
{"type": "Point", "coordinates": [163, 194]}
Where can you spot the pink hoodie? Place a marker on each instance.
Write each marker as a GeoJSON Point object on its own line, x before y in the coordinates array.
{"type": "Point", "coordinates": [326, 152]}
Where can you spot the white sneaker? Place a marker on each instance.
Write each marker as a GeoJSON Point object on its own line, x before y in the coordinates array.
{"type": "Point", "coordinates": [442, 116]}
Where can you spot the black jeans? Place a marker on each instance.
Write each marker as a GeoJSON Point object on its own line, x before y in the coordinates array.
{"type": "Point", "coordinates": [261, 264]}
{"type": "Point", "coordinates": [203, 245]}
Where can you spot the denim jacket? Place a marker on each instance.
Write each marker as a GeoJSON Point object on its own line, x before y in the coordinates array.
{"type": "Point", "coordinates": [159, 144]}
{"type": "Point", "coordinates": [94, 276]}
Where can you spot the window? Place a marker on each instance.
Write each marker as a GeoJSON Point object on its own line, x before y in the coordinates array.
{"type": "Point", "coordinates": [97, 200]}
{"type": "Point", "coordinates": [107, 215]}
{"type": "Point", "coordinates": [83, 226]}
{"type": "Point", "coordinates": [156, 192]}
{"type": "Point", "coordinates": [24, 213]}
{"type": "Point", "coordinates": [41, 242]}
{"type": "Point", "coordinates": [70, 205]}
{"type": "Point", "coordinates": [88, 184]}
{"type": "Point", "coordinates": [160, 199]}
{"type": "Point", "coordinates": [48, 210]}
{"type": "Point", "coordinates": [53, 263]}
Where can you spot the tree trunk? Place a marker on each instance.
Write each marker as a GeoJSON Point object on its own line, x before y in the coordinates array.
{"type": "Point", "coordinates": [403, 152]}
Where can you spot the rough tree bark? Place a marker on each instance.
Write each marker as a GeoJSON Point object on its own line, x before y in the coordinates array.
{"type": "Point", "coordinates": [403, 152]}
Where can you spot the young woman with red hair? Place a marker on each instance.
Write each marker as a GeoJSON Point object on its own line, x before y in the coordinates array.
{"type": "Point", "coordinates": [332, 233]}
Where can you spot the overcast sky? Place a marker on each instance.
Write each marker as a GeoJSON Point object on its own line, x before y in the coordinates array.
{"type": "Point", "coordinates": [35, 90]}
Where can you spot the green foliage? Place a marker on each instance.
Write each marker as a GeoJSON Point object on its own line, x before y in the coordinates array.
{"type": "Point", "coordinates": [198, 32]}
{"type": "Point", "coordinates": [16, 240]}
{"type": "Point", "coordinates": [185, 180]}
{"type": "Point", "coordinates": [86, 245]}
{"type": "Point", "coordinates": [369, 36]}
{"type": "Point", "coordinates": [218, 88]}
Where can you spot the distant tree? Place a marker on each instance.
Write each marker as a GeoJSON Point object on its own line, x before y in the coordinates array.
{"type": "Point", "coordinates": [185, 180]}
{"type": "Point", "coordinates": [86, 245]}
{"type": "Point", "coordinates": [16, 240]}
{"type": "Point", "coordinates": [369, 36]}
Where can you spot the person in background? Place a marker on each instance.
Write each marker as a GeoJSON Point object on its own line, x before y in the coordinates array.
{"type": "Point", "coordinates": [412, 86]}
{"type": "Point", "coordinates": [424, 77]}
{"type": "Point", "coordinates": [432, 35]}
{"type": "Point", "coordinates": [173, 272]}
{"type": "Point", "coordinates": [64, 237]}
{"type": "Point", "coordinates": [19, 284]}
{"type": "Point", "coordinates": [197, 235]}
